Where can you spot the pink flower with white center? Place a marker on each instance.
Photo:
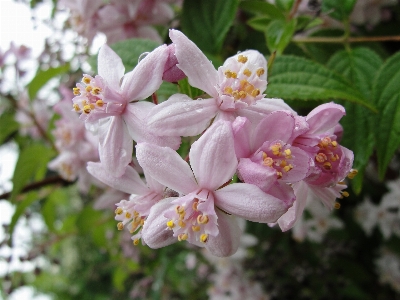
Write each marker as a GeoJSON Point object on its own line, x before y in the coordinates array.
{"type": "Point", "coordinates": [131, 213]}
{"type": "Point", "coordinates": [113, 98]}
{"type": "Point", "coordinates": [266, 157]}
{"type": "Point", "coordinates": [200, 215]}
{"type": "Point", "coordinates": [235, 89]}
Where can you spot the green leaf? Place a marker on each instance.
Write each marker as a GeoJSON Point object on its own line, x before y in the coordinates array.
{"type": "Point", "coordinates": [359, 66]}
{"type": "Point", "coordinates": [31, 165]}
{"type": "Point", "coordinates": [49, 209]}
{"type": "Point", "coordinates": [262, 7]}
{"type": "Point", "coordinates": [166, 90]}
{"type": "Point", "coordinates": [20, 209]}
{"type": "Point", "coordinates": [259, 23]}
{"type": "Point", "coordinates": [8, 126]}
{"type": "Point", "coordinates": [119, 276]}
{"type": "Point", "coordinates": [386, 93]}
{"type": "Point", "coordinates": [88, 219]}
{"type": "Point", "coordinates": [285, 5]}
{"type": "Point", "coordinates": [279, 33]}
{"type": "Point", "coordinates": [42, 77]}
{"type": "Point", "coordinates": [186, 88]}
{"type": "Point", "coordinates": [207, 22]}
{"type": "Point", "coordinates": [302, 79]}
{"type": "Point", "coordinates": [129, 51]}
{"type": "Point", "coordinates": [338, 9]}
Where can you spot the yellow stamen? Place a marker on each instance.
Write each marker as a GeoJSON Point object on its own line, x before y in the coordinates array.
{"type": "Point", "coordinates": [96, 90]}
{"type": "Point", "coordinates": [128, 215]}
{"type": "Point", "coordinates": [279, 174]}
{"type": "Point", "coordinates": [255, 92]}
{"type": "Point", "coordinates": [327, 165]}
{"type": "Point", "coordinates": [87, 109]}
{"type": "Point", "coordinates": [242, 59]}
{"type": "Point", "coordinates": [287, 168]}
{"type": "Point", "coordinates": [182, 237]}
{"type": "Point", "coordinates": [337, 205]}
{"type": "Point", "coordinates": [352, 173]}
{"type": "Point", "coordinates": [321, 157]}
{"type": "Point", "coordinates": [88, 88]}
{"type": "Point", "coordinates": [268, 161]}
{"type": "Point", "coordinates": [181, 223]}
{"type": "Point", "coordinates": [170, 224]}
{"type": "Point", "coordinates": [76, 91]}
{"type": "Point", "coordinates": [204, 237]}
{"type": "Point", "coordinates": [345, 194]}
{"type": "Point", "coordinates": [100, 103]}
{"type": "Point", "coordinates": [76, 107]}
{"type": "Point", "coordinates": [260, 72]}
{"type": "Point", "coordinates": [119, 211]}
{"type": "Point", "coordinates": [334, 143]}
{"type": "Point", "coordinates": [179, 209]}
{"type": "Point", "coordinates": [120, 226]}
{"type": "Point", "coordinates": [228, 90]}
{"type": "Point", "coordinates": [242, 94]}
{"type": "Point", "coordinates": [202, 219]}
{"type": "Point", "coordinates": [196, 228]}
{"type": "Point", "coordinates": [247, 72]}
{"type": "Point", "coordinates": [195, 203]}
{"type": "Point", "coordinates": [86, 80]}
{"type": "Point", "coordinates": [136, 242]}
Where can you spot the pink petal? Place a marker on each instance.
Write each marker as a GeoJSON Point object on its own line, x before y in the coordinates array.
{"type": "Point", "coordinates": [134, 117]}
{"type": "Point", "coordinates": [288, 219]}
{"type": "Point", "coordinates": [254, 173]}
{"type": "Point", "coordinates": [181, 116]}
{"type": "Point", "coordinates": [324, 117]}
{"type": "Point", "coordinates": [146, 78]}
{"type": "Point", "coordinates": [130, 182]}
{"type": "Point", "coordinates": [110, 67]}
{"type": "Point", "coordinates": [241, 128]}
{"type": "Point", "coordinates": [278, 125]}
{"type": "Point", "coordinates": [109, 199]}
{"type": "Point", "coordinates": [155, 232]}
{"type": "Point", "coordinates": [227, 241]}
{"type": "Point", "coordinates": [212, 156]}
{"type": "Point", "coordinates": [115, 145]}
{"type": "Point", "coordinates": [249, 202]}
{"type": "Point", "coordinates": [167, 167]}
{"type": "Point", "coordinates": [199, 70]}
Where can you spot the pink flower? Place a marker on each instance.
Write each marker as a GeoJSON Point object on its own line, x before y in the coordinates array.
{"type": "Point", "coordinates": [131, 213]}
{"type": "Point", "coordinates": [200, 214]}
{"type": "Point", "coordinates": [117, 105]}
{"type": "Point", "coordinates": [235, 89]}
{"type": "Point", "coordinates": [266, 157]}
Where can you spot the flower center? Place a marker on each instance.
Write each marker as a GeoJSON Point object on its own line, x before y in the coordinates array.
{"type": "Point", "coordinates": [89, 95]}
{"type": "Point", "coordinates": [328, 155]}
{"type": "Point", "coordinates": [278, 157]}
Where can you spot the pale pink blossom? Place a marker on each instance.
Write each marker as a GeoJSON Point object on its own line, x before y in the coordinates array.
{"type": "Point", "coordinates": [196, 216]}
{"type": "Point", "coordinates": [111, 100]}
{"type": "Point", "coordinates": [235, 89]}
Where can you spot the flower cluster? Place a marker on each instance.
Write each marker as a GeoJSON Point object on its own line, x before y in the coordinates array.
{"type": "Point", "coordinates": [118, 20]}
{"type": "Point", "coordinates": [279, 158]}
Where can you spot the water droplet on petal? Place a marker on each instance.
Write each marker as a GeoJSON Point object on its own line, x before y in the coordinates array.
{"type": "Point", "coordinates": [142, 56]}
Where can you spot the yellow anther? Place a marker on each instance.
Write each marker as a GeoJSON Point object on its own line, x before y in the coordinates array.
{"type": "Point", "coordinates": [235, 95]}
{"type": "Point", "coordinates": [202, 219]}
{"type": "Point", "coordinates": [342, 183]}
{"type": "Point", "coordinates": [136, 242]}
{"type": "Point", "coordinates": [268, 161]}
{"type": "Point", "coordinates": [182, 216]}
{"type": "Point", "coordinates": [100, 103]}
{"type": "Point", "coordinates": [135, 213]}
{"type": "Point", "coordinates": [352, 173]}
{"type": "Point", "coordinates": [87, 109]}
{"type": "Point", "coordinates": [76, 107]}
{"type": "Point", "coordinates": [228, 90]}
{"type": "Point", "coordinates": [196, 228]}
{"type": "Point", "coordinates": [179, 209]}
{"type": "Point", "coordinates": [228, 74]}
{"type": "Point", "coordinates": [260, 72]}
{"type": "Point", "coordinates": [334, 157]}
{"type": "Point", "coordinates": [181, 223]}
{"type": "Point", "coordinates": [279, 174]}
{"type": "Point", "coordinates": [255, 92]}
{"type": "Point", "coordinates": [134, 226]}
{"type": "Point", "coordinates": [242, 58]}
{"type": "Point", "coordinates": [88, 88]}
{"type": "Point", "coordinates": [327, 165]}
{"type": "Point", "coordinates": [288, 168]}
{"type": "Point", "coordinates": [276, 149]}
{"type": "Point", "coordinates": [195, 203]}
{"type": "Point", "coordinates": [325, 142]}
{"type": "Point", "coordinates": [321, 157]}
{"type": "Point", "coordinates": [84, 102]}
{"type": "Point", "coordinates": [119, 211]}
{"type": "Point", "coordinates": [96, 90]}
{"type": "Point", "coordinates": [142, 222]}
{"type": "Point", "coordinates": [170, 224]}
{"type": "Point", "coordinates": [345, 194]}
{"type": "Point", "coordinates": [128, 215]}
{"type": "Point", "coordinates": [242, 94]}
{"type": "Point", "coordinates": [204, 237]}
{"type": "Point", "coordinates": [283, 163]}
{"type": "Point", "coordinates": [264, 155]}
{"type": "Point", "coordinates": [92, 106]}
{"type": "Point", "coordinates": [182, 237]}
{"type": "Point", "coordinates": [288, 153]}
{"type": "Point", "coordinates": [76, 91]}
{"type": "Point", "coordinates": [247, 72]}
{"type": "Point", "coordinates": [120, 226]}
{"type": "Point", "coordinates": [233, 75]}
{"type": "Point", "coordinates": [86, 80]}
{"type": "Point", "coordinates": [336, 205]}
{"type": "Point", "coordinates": [334, 143]}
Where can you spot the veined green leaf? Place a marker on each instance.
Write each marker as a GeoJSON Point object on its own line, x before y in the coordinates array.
{"type": "Point", "coordinates": [31, 164]}
{"type": "Point", "coordinates": [279, 33]}
{"type": "Point", "coordinates": [386, 93]}
{"type": "Point", "coordinates": [215, 17]}
{"type": "Point", "coordinates": [262, 7]}
{"type": "Point", "coordinates": [302, 79]}
{"type": "Point", "coordinates": [359, 66]}
{"type": "Point", "coordinates": [42, 77]}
